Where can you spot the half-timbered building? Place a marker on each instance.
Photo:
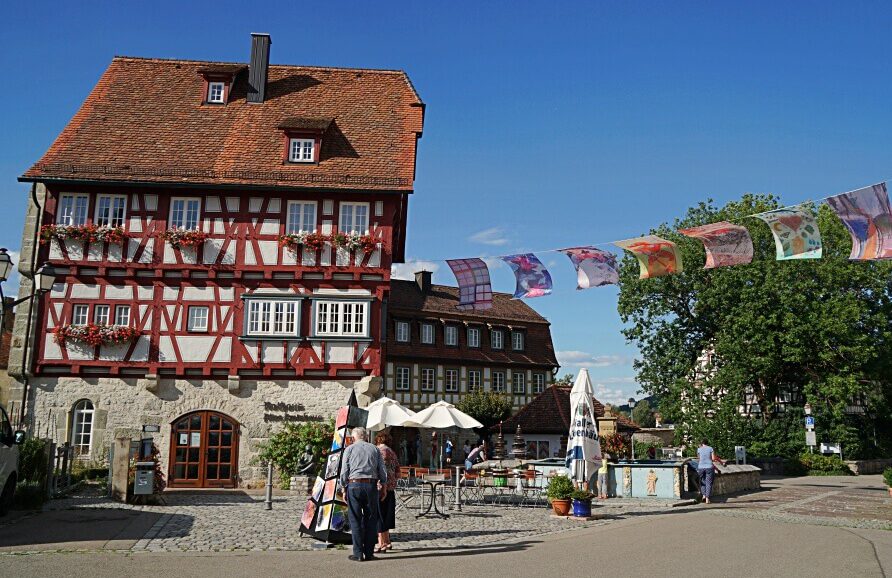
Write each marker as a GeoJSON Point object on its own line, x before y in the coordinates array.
{"type": "Point", "coordinates": [223, 236]}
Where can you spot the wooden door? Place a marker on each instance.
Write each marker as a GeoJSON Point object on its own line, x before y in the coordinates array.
{"type": "Point", "coordinates": [203, 451]}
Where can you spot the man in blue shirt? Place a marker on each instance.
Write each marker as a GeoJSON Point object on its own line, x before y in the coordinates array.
{"type": "Point", "coordinates": [362, 474]}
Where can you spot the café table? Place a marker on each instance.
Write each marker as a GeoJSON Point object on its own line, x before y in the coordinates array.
{"type": "Point", "coordinates": [433, 481]}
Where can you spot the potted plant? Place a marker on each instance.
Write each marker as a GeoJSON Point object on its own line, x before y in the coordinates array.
{"type": "Point", "coordinates": [559, 490]}
{"type": "Point", "coordinates": [887, 477]}
{"type": "Point", "coordinates": [582, 503]}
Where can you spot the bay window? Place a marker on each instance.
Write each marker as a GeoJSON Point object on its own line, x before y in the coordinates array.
{"type": "Point", "coordinates": [274, 317]}
{"type": "Point", "coordinates": [339, 318]}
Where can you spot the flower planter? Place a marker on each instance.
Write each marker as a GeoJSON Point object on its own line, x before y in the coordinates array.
{"type": "Point", "coordinates": [561, 507]}
{"type": "Point", "coordinates": [582, 508]}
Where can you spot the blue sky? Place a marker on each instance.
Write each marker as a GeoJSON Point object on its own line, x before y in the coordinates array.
{"type": "Point", "coordinates": [547, 125]}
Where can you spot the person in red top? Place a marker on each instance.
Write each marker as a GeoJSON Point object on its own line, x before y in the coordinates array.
{"type": "Point", "coordinates": [387, 510]}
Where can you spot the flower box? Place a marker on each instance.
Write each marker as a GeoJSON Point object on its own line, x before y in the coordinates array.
{"type": "Point", "coordinates": [179, 238]}
{"type": "Point", "coordinates": [355, 241]}
{"type": "Point", "coordinates": [85, 233]}
{"type": "Point", "coordinates": [312, 241]}
{"type": "Point", "coordinates": [93, 334]}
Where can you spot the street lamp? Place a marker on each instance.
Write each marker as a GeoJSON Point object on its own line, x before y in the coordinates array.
{"type": "Point", "coordinates": [44, 279]}
{"type": "Point", "coordinates": [631, 407]}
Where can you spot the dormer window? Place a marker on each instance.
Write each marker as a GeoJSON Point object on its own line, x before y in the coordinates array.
{"type": "Point", "coordinates": [215, 92]}
{"type": "Point", "coordinates": [302, 150]}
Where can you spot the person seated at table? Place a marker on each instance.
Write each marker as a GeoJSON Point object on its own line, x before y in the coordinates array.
{"type": "Point", "coordinates": [477, 455]}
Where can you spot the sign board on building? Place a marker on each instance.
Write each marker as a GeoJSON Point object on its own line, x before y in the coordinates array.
{"type": "Point", "coordinates": [810, 439]}
{"type": "Point", "coordinates": [151, 428]}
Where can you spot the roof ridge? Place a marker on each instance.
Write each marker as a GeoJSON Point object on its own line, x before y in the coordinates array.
{"type": "Point", "coordinates": [314, 67]}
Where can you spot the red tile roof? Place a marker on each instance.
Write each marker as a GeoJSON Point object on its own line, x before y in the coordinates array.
{"type": "Point", "coordinates": [549, 413]}
{"type": "Point", "coordinates": [144, 122]}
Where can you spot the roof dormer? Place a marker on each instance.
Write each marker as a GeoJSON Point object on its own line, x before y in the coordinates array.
{"type": "Point", "coordinates": [303, 138]}
{"type": "Point", "coordinates": [218, 81]}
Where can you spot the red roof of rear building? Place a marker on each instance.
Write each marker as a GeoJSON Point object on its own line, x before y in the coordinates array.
{"type": "Point", "coordinates": [144, 122]}
{"type": "Point", "coordinates": [549, 413]}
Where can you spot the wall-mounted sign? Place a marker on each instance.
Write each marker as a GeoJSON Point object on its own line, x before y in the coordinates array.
{"type": "Point", "coordinates": [151, 428]}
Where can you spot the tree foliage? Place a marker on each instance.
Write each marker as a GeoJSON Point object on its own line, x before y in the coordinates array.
{"type": "Point", "coordinates": [643, 415]}
{"type": "Point", "coordinates": [487, 407]}
{"type": "Point", "coordinates": [820, 327]}
{"type": "Point", "coordinates": [286, 447]}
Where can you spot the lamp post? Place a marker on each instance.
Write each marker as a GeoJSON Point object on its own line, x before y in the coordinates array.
{"type": "Point", "coordinates": [43, 281]}
{"type": "Point", "coordinates": [631, 407]}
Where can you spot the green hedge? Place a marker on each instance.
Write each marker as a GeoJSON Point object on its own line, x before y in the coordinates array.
{"type": "Point", "coordinates": [29, 496]}
{"type": "Point", "coordinates": [33, 461]}
{"type": "Point", "coordinates": [820, 465]}
{"type": "Point", "coordinates": [887, 476]}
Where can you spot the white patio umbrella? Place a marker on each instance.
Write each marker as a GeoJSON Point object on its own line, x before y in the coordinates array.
{"type": "Point", "coordinates": [442, 415]}
{"type": "Point", "coordinates": [583, 447]}
{"type": "Point", "coordinates": [386, 412]}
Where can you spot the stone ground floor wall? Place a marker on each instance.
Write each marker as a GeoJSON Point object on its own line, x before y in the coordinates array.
{"type": "Point", "coordinates": [865, 467]}
{"type": "Point", "coordinates": [123, 406]}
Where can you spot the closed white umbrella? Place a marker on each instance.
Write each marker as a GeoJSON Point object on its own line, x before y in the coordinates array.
{"type": "Point", "coordinates": [583, 447]}
{"type": "Point", "coordinates": [442, 415]}
{"type": "Point", "coordinates": [386, 412]}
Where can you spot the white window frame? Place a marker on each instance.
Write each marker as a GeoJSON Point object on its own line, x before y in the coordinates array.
{"type": "Point", "coordinates": [172, 224]}
{"type": "Point", "coordinates": [450, 335]}
{"type": "Point", "coordinates": [497, 339]}
{"type": "Point", "coordinates": [517, 340]}
{"type": "Point", "coordinates": [474, 337]}
{"type": "Point", "coordinates": [73, 209]}
{"type": "Point", "coordinates": [80, 314]}
{"type": "Point", "coordinates": [432, 372]}
{"type": "Point", "coordinates": [403, 332]}
{"type": "Point", "coordinates": [301, 150]}
{"type": "Point", "coordinates": [341, 318]}
{"type": "Point", "coordinates": [198, 323]}
{"type": "Point", "coordinates": [403, 378]}
{"type": "Point", "coordinates": [498, 385]}
{"type": "Point", "coordinates": [122, 315]}
{"type": "Point", "coordinates": [519, 383]}
{"type": "Point", "coordinates": [427, 333]}
{"type": "Point", "coordinates": [538, 383]}
{"type": "Point", "coordinates": [351, 220]}
{"type": "Point", "coordinates": [82, 419]}
{"type": "Point", "coordinates": [101, 314]}
{"type": "Point", "coordinates": [110, 220]}
{"type": "Point", "coordinates": [450, 381]}
{"type": "Point", "coordinates": [213, 98]}
{"type": "Point", "coordinates": [475, 380]}
{"type": "Point", "coordinates": [272, 317]}
{"type": "Point", "coordinates": [297, 218]}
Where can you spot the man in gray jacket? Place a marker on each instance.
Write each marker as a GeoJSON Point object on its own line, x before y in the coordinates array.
{"type": "Point", "coordinates": [362, 474]}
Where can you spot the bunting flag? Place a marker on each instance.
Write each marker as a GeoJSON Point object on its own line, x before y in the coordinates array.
{"type": "Point", "coordinates": [796, 234]}
{"type": "Point", "coordinates": [474, 287]}
{"type": "Point", "coordinates": [725, 243]}
{"type": "Point", "coordinates": [867, 216]}
{"type": "Point", "coordinates": [656, 256]}
{"type": "Point", "coordinates": [533, 279]}
{"type": "Point", "coordinates": [594, 267]}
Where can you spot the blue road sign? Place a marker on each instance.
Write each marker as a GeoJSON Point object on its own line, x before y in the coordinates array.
{"type": "Point", "coordinates": [809, 421]}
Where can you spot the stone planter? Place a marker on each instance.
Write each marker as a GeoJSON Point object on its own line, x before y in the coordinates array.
{"type": "Point", "coordinates": [582, 508]}
{"type": "Point", "coordinates": [561, 507]}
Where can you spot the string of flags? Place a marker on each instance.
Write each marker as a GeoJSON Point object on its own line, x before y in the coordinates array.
{"type": "Point", "coordinates": [865, 212]}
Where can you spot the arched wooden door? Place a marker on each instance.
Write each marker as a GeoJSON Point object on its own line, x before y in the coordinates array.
{"type": "Point", "coordinates": [203, 451]}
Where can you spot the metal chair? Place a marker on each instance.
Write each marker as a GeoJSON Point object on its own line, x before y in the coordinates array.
{"type": "Point", "coordinates": [532, 488]}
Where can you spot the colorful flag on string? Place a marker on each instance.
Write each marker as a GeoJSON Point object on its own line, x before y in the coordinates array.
{"type": "Point", "coordinates": [656, 256]}
{"type": "Point", "coordinates": [867, 216]}
{"type": "Point", "coordinates": [594, 267]}
{"type": "Point", "coordinates": [474, 287]}
{"type": "Point", "coordinates": [796, 234]}
{"type": "Point", "coordinates": [725, 243]}
{"type": "Point", "coordinates": [533, 279]}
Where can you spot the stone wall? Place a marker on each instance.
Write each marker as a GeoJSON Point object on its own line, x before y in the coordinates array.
{"type": "Point", "coordinates": [865, 467]}
{"type": "Point", "coordinates": [123, 406]}
{"type": "Point", "coordinates": [734, 478]}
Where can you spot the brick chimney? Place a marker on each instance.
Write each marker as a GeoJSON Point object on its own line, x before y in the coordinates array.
{"type": "Point", "coordinates": [258, 67]}
{"type": "Point", "coordinates": [423, 280]}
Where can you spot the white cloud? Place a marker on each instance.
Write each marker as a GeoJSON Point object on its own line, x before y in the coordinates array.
{"type": "Point", "coordinates": [408, 269]}
{"type": "Point", "coordinates": [613, 396]}
{"type": "Point", "coordinates": [492, 236]}
{"type": "Point", "coordinates": [582, 359]}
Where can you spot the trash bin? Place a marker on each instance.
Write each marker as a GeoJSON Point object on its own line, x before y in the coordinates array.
{"type": "Point", "coordinates": [144, 482]}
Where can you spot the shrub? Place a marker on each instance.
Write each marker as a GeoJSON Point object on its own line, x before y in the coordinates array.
{"type": "Point", "coordinates": [33, 461]}
{"type": "Point", "coordinates": [615, 444]}
{"type": "Point", "coordinates": [820, 465]}
{"type": "Point", "coordinates": [641, 449]}
{"type": "Point", "coordinates": [887, 476]}
{"type": "Point", "coordinates": [560, 488]}
{"type": "Point", "coordinates": [582, 496]}
{"type": "Point", "coordinates": [286, 447]}
{"type": "Point", "coordinates": [29, 495]}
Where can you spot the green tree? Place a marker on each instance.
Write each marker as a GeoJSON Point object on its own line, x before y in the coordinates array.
{"type": "Point", "coordinates": [643, 415]}
{"type": "Point", "coordinates": [487, 407]}
{"type": "Point", "coordinates": [566, 379]}
{"type": "Point", "coordinates": [819, 327]}
{"type": "Point", "coordinates": [286, 447]}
